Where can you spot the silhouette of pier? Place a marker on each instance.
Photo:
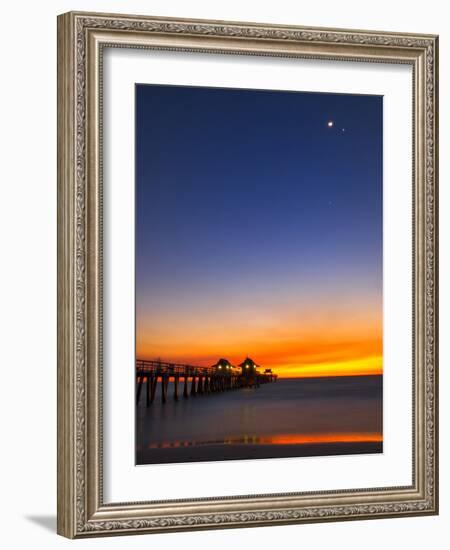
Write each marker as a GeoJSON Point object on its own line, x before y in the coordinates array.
{"type": "Point", "coordinates": [192, 381]}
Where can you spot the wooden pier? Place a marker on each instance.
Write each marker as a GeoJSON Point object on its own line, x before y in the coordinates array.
{"type": "Point", "coordinates": [192, 381]}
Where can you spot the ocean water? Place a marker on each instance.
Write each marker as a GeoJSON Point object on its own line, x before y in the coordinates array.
{"type": "Point", "coordinates": [290, 417]}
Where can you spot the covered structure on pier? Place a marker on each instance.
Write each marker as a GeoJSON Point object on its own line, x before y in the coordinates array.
{"type": "Point", "coordinates": [223, 366]}
{"type": "Point", "coordinates": [249, 368]}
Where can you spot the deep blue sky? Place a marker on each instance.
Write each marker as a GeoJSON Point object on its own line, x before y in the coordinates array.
{"type": "Point", "coordinates": [238, 190]}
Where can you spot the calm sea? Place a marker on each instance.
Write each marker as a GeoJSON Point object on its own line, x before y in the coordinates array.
{"type": "Point", "coordinates": [291, 417]}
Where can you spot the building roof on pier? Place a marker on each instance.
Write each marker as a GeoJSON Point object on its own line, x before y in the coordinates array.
{"type": "Point", "coordinates": [223, 364]}
{"type": "Point", "coordinates": [249, 361]}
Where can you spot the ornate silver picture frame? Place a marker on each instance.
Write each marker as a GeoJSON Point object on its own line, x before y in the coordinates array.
{"type": "Point", "coordinates": [82, 41]}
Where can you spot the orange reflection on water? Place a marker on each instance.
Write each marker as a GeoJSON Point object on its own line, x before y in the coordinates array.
{"type": "Point", "coordinates": [281, 439]}
{"type": "Point", "coordinates": [299, 439]}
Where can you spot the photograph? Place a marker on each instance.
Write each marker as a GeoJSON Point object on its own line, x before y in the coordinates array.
{"type": "Point", "coordinates": [258, 274]}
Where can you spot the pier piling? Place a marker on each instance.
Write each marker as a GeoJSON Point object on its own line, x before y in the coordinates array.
{"type": "Point", "coordinates": [164, 384]}
{"type": "Point", "coordinates": [175, 387]}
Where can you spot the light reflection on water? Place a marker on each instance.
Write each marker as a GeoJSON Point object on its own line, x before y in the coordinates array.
{"type": "Point", "coordinates": [282, 439]}
{"type": "Point", "coordinates": [288, 412]}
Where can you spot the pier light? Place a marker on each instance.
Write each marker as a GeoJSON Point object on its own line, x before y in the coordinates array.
{"type": "Point", "coordinates": [249, 367]}
{"type": "Point", "coordinates": [223, 365]}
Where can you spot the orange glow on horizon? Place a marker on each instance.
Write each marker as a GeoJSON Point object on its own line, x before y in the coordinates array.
{"type": "Point", "coordinates": [365, 366]}
{"type": "Point", "coordinates": [294, 343]}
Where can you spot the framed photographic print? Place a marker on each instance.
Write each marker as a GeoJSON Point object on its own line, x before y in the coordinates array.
{"type": "Point", "coordinates": [247, 276]}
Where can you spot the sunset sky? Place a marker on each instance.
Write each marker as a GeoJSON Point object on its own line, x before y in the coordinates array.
{"type": "Point", "coordinates": [259, 229]}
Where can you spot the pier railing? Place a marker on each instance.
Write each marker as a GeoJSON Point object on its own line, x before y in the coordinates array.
{"type": "Point", "coordinates": [195, 380]}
